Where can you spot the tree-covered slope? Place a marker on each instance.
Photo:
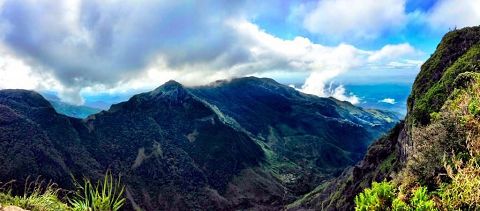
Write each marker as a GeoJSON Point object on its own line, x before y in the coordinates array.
{"type": "Point", "coordinates": [308, 138]}
{"type": "Point", "coordinates": [246, 144]}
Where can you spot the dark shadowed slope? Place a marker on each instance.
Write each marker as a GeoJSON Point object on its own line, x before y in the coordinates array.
{"type": "Point", "coordinates": [248, 143]}
{"type": "Point", "coordinates": [308, 137]}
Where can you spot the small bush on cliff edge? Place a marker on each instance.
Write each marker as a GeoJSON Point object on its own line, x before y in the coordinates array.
{"type": "Point", "coordinates": [384, 196]}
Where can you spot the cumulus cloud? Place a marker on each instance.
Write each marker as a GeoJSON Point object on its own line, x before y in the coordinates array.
{"type": "Point", "coordinates": [388, 100]}
{"type": "Point", "coordinates": [454, 13]}
{"type": "Point", "coordinates": [84, 43]}
{"type": "Point", "coordinates": [89, 46]}
{"type": "Point", "coordinates": [339, 93]}
{"type": "Point", "coordinates": [371, 19]}
{"type": "Point", "coordinates": [323, 63]}
{"type": "Point", "coordinates": [15, 73]}
{"type": "Point", "coordinates": [345, 58]}
{"type": "Point", "coordinates": [357, 18]}
{"type": "Point", "coordinates": [392, 52]}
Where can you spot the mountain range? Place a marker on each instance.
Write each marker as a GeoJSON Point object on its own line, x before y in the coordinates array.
{"type": "Point", "coordinates": [78, 111]}
{"type": "Point", "coordinates": [254, 144]}
{"type": "Point", "coordinates": [245, 143]}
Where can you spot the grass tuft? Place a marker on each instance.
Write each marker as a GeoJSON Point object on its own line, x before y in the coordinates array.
{"type": "Point", "coordinates": [102, 196]}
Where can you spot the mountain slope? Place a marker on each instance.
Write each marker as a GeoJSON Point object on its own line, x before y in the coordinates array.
{"type": "Point", "coordinates": [441, 126]}
{"type": "Point", "coordinates": [40, 141]}
{"type": "Point", "coordinates": [309, 137]}
{"type": "Point", "coordinates": [192, 148]}
{"type": "Point", "coordinates": [170, 141]}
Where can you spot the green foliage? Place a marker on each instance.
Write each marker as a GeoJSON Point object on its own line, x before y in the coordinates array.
{"type": "Point", "coordinates": [379, 196]}
{"type": "Point", "coordinates": [106, 195]}
{"type": "Point", "coordinates": [434, 144]}
{"type": "Point", "coordinates": [457, 53]}
{"type": "Point", "coordinates": [434, 116]}
{"type": "Point", "coordinates": [399, 205]}
{"type": "Point", "coordinates": [37, 197]}
{"type": "Point", "coordinates": [388, 163]}
{"type": "Point", "coordinates": [435, 97]}
{"type": "Point", "coordinates": [463, 191]}
{"type": "Point", "coordinates": [443, 124]}
{"type": "Point", "coordinates": [421, 200]}
{"type": "Point", "coordinates": [474, 107]}
{"type": "Point", "coordinates": [384, 196]}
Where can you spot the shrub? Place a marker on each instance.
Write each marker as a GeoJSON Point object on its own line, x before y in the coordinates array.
{"type": "Point", "coordinates": [431, 145]}
{"type": "Point", "coordinates": [399, 205]}
{"type": "Point", "coordinates": [421, 200]}
{"type": "Point", "coordinates": [379, 196]}
{"type": "Point", "coordinates": [474, 107]}
{"type": "Point", "coordinates": [464, 190]}
{"type": "Point", "coordinates": [383, 196]}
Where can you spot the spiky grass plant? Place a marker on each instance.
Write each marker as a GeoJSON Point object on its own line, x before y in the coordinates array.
{"type": "Point", "coordinates": [104, 195]}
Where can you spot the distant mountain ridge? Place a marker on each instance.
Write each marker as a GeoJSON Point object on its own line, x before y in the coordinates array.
{"type": "Point", "coordinates": [78, 111]}
{"type": "Point", "coordinates": [247, 143]}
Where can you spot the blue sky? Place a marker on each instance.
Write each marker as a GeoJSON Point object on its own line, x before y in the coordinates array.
{"type": "Point", "coordinates": [285, 26]}
{"type": "Point", "coordinates": [88, 48]}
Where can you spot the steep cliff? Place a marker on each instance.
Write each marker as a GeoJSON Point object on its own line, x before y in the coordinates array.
{"type": "Point", "coordinates": [440, 123]}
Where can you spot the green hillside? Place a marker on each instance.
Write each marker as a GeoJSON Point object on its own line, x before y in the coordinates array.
{"type": "Point", "coordinates": [430, 161]}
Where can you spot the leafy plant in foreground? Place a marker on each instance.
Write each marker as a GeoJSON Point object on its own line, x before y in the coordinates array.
{"type": "Point", "coordinates": [383, 196]}
{"type": "Point", "coordinates": [105, 195]}
{"type": "Point", "coordinates": [379, 196]}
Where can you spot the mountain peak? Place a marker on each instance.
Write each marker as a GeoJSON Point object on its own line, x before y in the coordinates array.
{"type": "Point", "coordinates": [169, 85]}
{"type": "Point", "coordinates": [172, 83]}
{"type": "Point", "coordinates": [168, 88]}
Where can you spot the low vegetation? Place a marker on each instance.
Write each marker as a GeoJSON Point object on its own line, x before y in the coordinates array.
{"type": "Point", "coordinates": [457, 53]}
{"type": "Point", "coordinates": [104, 195]}
{"type": "Point", "coordinates": [433, 162]}
{"type": "Point", "coordinates": [37, 197]}
{"type": "Point", "coordinates": [384, 196]}
{"type": "Point", "coordinates": [443, 170]}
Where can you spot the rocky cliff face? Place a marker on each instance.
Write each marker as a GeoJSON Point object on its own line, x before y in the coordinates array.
{"type": "Point", "coordinates": [244, 144]}
{"type": "Point", "coordinates": [458, 52]}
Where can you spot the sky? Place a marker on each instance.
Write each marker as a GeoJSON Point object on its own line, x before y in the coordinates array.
{"type": "Point", "coordinates": [86, 48]}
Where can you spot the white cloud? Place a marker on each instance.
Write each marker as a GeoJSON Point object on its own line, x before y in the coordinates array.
{"type": "Point", "coordinates": [454, 13]}
{"type": "Point", "coordinates": [357, 18]}
{"type": "Point", "coordinates": [340, 93]}
{"type": "Point", "coordinates": [266, 53]}
{"type": "Point", "coordinates": [388, 100]}
{"type": "Point", "coordinates": [16, 73]}
{"type": "Point", "coordinates": [116, 46]}
{"type": "Point", "coordinates": [269, 53]}
{"type": "Point", "coordinates": [392, 52]}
